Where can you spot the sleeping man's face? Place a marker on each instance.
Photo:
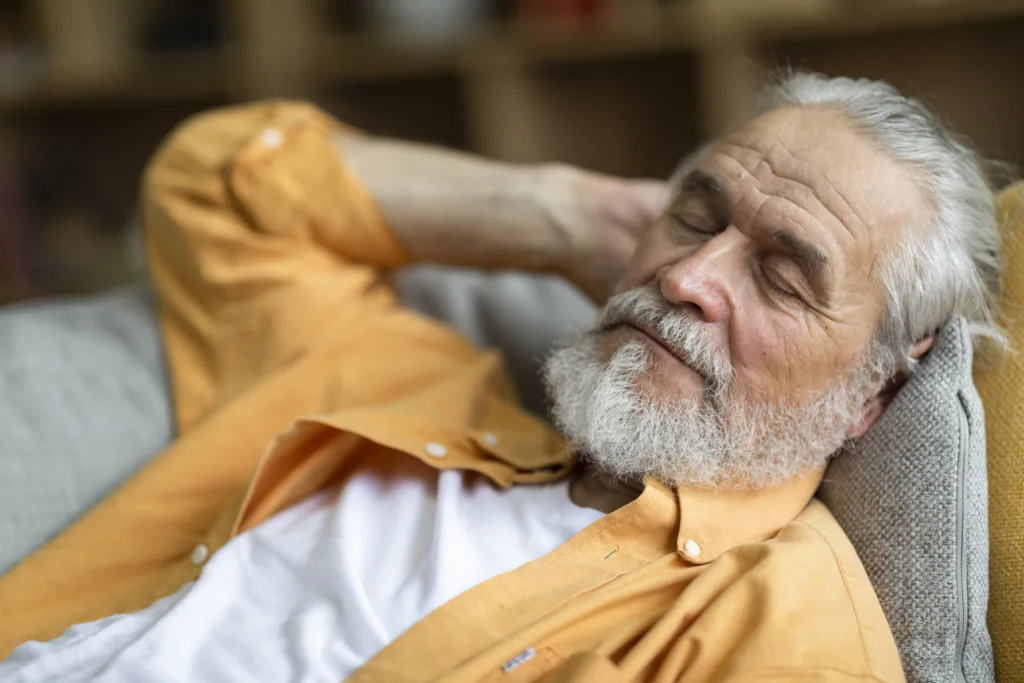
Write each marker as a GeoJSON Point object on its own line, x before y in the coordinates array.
{"type": "Point", "coordinates": [736, 351]}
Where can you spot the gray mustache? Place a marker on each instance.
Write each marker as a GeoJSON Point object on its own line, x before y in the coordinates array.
{"type": "Point", "coordinates": [679, 329]}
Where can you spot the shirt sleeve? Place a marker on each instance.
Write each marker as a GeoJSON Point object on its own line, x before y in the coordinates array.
{"type": "Point", "coordinates": [255, 230]}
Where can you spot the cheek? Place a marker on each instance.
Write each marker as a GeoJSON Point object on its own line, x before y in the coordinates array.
{"type": "Point", "coordinates": [777, 355]}
{"type": "Point", "coordinates": [755, 350]}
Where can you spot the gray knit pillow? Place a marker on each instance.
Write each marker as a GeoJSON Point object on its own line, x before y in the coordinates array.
{"type": "Point", "coordinates": [912, 496]}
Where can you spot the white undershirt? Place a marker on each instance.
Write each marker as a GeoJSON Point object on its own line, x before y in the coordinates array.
{"type": "Point", "coordinates": [318, 589]}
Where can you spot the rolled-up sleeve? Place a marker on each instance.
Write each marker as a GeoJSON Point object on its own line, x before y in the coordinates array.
{"type": "Point", "coordinates": [255, 230]}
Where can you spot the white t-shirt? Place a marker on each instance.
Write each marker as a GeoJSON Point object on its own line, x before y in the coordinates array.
{"type": "Point", "coordinates": [318, 589]}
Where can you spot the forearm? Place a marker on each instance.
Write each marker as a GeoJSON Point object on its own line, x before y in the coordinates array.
{"type": "Point", "coordinates": [458, 209]}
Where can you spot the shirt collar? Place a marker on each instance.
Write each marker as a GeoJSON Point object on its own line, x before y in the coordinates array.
{"type": "Point", "coordinates": [713, 521]}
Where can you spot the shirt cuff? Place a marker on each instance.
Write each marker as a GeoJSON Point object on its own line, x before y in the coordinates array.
{"type": "Point", "coordinates": [291, 179]}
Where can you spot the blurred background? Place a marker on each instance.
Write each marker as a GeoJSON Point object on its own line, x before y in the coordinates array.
{"type": "Point", "coordinates": [89, 87]}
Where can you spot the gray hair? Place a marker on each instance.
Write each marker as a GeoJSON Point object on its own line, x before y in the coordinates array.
{"type": "Point", "coordinates": [953, 268]}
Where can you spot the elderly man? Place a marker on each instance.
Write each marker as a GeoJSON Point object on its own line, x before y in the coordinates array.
{"type": "Point", "coordinates": [408, 520]}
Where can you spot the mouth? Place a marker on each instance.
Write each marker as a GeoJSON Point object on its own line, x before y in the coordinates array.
{"type": "Point", "coordinates": [659, 342]}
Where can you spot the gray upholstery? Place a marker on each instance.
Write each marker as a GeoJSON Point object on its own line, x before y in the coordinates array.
{"type": "Point", "coordinates": [520, 315]}
{"type": "Point", "coordinates": [84, 400]}
{"type": "Point", "coordinates": [87, 407]}
{"type": "Point", "coordinates": [83, 403]}
{"type": "Point", "coordinates": [913, 498]}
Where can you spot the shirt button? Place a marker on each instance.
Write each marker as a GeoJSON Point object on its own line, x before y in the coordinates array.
{"type": "Point", "coordinates": [491, 439]}
{"type": "Point", "coordinates": [199, 554]}
{"type": "Point", "coordinates": [271, 138]}
{"type": "Point", "coordinates": [691, 548]}
{"type": "Point", "coordinates": [436, 450]}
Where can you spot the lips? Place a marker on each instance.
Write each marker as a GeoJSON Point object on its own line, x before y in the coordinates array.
{"type": "Point", "coordinates": [651, 333]}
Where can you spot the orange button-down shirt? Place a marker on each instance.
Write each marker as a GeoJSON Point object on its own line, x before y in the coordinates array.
{"type": "Point", "coordinates": [292, 364]}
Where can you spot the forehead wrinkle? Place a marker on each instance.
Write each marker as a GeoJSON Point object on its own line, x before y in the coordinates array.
{"type": "Point", "coordinates": [768, 198]}
{"type": "Point", "coordinates": [777, 155]}
{"type": "Point", "coordinates": [741, 211]}
{"type": "Point", "coordinates": [844, 203]}
{"type": "Point", "coordinates": [791, 204]}
{"type": "Point", "coordinates": [749, 210]}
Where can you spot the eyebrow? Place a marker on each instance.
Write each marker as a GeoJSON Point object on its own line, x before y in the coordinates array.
{"type": "Point", "coordinates": [702, 182]}
{"type": "Point", "coordinates": [811, 259]}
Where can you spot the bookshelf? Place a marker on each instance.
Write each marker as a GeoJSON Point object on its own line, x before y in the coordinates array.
{"type": "Point", "coordinates": [88, 85]}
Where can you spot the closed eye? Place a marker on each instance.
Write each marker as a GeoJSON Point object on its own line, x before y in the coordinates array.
{"type": "Point", "coordinates": [777, 283]}
{"type": "Point", "coordinates": [702, 227]}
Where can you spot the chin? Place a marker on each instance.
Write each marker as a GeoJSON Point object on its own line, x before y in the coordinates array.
{"type": "Point", "coordinates": [660, 390]}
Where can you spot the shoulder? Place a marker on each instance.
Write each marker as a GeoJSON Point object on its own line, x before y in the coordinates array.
{"type": "Point", "coordinates": [840, 568]}
{"type": "Point", "coordinates": [819, 571]}
{"type": "Point", "coordinates": [806, 606]}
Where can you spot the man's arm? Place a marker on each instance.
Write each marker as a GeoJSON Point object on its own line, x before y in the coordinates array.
{"type": "Point", "coordinates": [458, 209]}
{"type": "Point", "coordinates": [257, 235]}
{"type": "Point", "coordinates": [266, 222]}
{"type": "Point", "coordinates": [454, 208]}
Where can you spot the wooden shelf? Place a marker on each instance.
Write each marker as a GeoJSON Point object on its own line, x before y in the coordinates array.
{"type": "Point", "coordinates": [794, 20]}
{"type": "Point", "coordinates": [629, 94]}
{"type": "Point", "coordinates": [150, 80]}
{"type": "Point", "coordinates": [698, 26]}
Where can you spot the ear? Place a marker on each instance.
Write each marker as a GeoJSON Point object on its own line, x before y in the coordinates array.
{"type": "Point", "coordinates": [921, 347]}
{"type": "Point", "coordinates": [876, 405]}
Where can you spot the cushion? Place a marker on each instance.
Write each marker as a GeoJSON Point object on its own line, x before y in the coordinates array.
{"type": "Point", "coordinates": [521, 315]}
{"type": "Point", "coordinates": [911, 495]}
{"type": "Point", "coordinates": [1003, 393]}
{"type": "Point", "coordinates": [84, 401]}
{"type": "Point", "coordinates": [82, 405]}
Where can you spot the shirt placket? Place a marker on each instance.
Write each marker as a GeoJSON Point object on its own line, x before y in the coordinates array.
{"type": "Point", "coordinates": [489, 626]}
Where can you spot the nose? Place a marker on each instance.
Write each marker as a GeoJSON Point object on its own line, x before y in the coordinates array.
{"type": "Point", "coordinates": [699, 280]}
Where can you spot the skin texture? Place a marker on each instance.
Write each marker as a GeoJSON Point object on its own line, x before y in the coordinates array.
{"type": "Point", "coordinates": [791, 311]}
{"type": "Point", "coordinates": [457, 209]}
{"type": "Point", "coordinates": [718, 251]}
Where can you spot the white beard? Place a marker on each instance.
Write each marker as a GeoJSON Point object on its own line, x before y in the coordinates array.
{"type": "Point", "coordinates": [720, 441]}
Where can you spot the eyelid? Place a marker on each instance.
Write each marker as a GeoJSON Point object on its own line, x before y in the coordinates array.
{"type": "Point", "coordinates": [687, 221]}
{"type": "Point", "coordinates": [787, 291]}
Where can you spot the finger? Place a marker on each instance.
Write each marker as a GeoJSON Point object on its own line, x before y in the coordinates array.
{"type": "Point", "coordinates": [651, 196]}
{"type": "Point", "coordinates": [635, 204]}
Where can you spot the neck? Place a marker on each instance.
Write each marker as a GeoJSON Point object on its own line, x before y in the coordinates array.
{"type": "Point", "coordinates": [601, 491]}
